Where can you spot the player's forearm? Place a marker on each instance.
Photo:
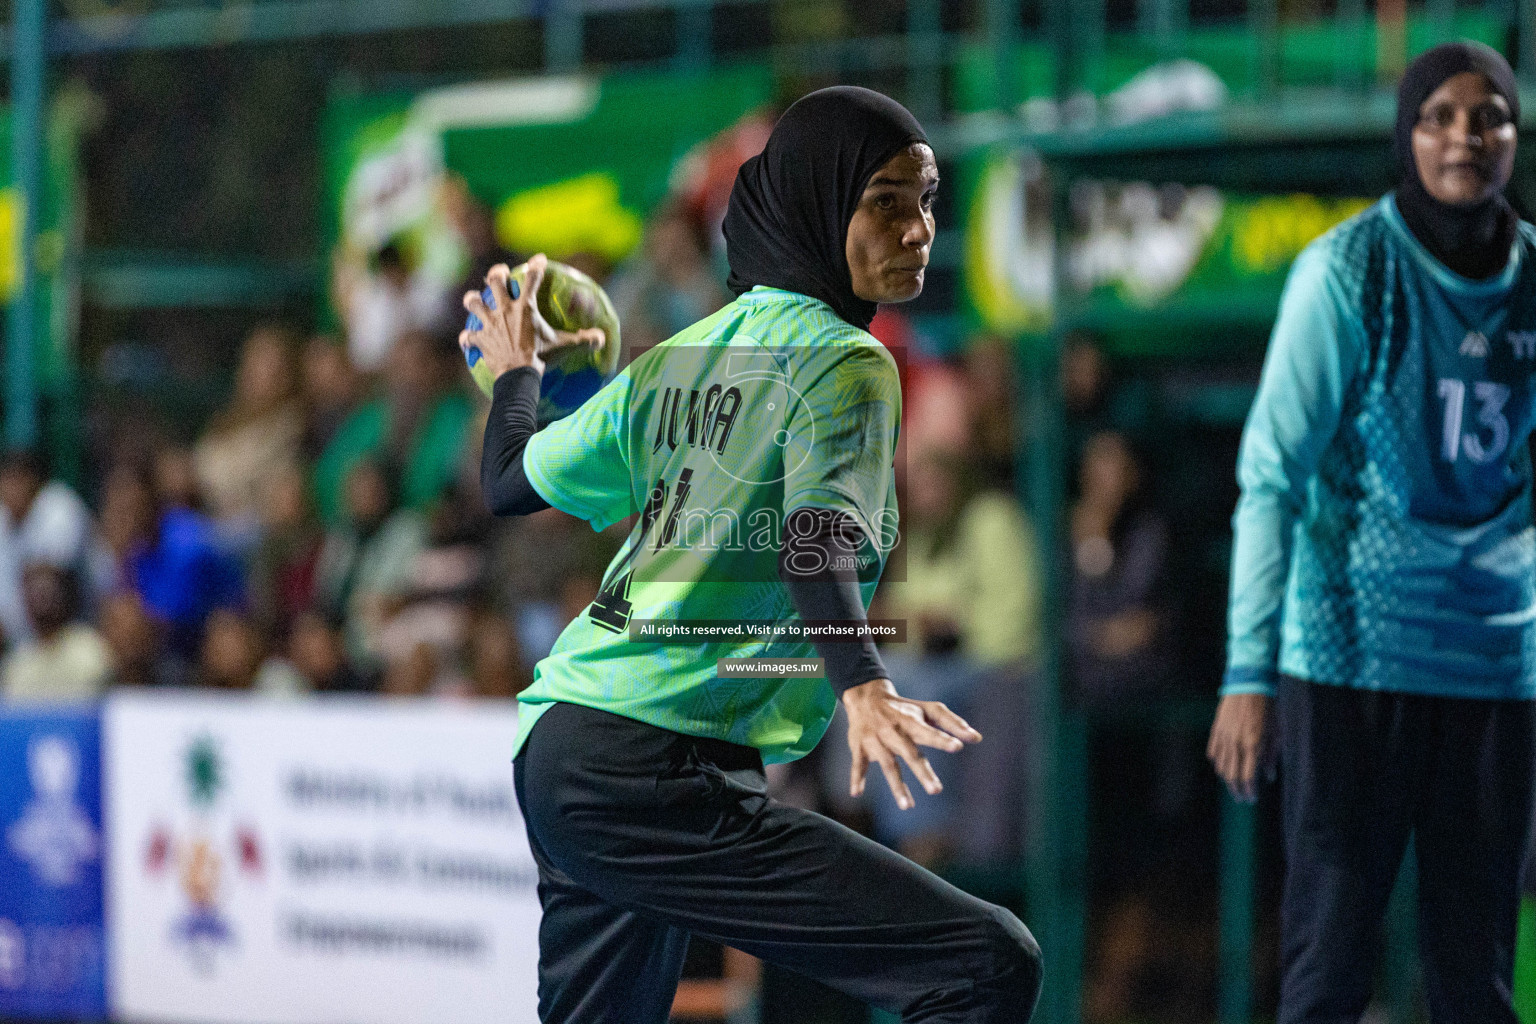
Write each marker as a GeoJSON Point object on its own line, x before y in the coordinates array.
{"type": "Point", "coordinates": [830, 592]}
{"type": "Point", "coordinates": [1261, 560]}
{"type": "Point", "coordinates": [513, 421]}
{"type": "Point", "coordinates": [1312, 354]}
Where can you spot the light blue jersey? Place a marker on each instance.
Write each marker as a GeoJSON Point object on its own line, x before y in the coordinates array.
{"type": "Point", "coordinates": [1383, 539]}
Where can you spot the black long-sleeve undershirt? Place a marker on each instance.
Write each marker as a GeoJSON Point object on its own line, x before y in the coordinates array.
{"type": "Point", "coordinates": [831, 592]}
{"type": "Point", "coordinates": [825, 544]}
{"type": "Point", "coordinates": [513, 420]}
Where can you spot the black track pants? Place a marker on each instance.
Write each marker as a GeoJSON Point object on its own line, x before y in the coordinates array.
{"type": "Point", "coordinates": [1361, 773]}
{"type": "Point", "coordinates": [643, 836]}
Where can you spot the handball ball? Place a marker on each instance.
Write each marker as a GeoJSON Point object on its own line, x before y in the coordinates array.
{"type": "Point", "coordinates": [569, 300]}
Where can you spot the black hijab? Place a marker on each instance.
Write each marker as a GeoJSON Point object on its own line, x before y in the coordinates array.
{"type": "Point", "coordinates": [1472, 240]}
{"type": "Point", "coordinates": [787, 222]}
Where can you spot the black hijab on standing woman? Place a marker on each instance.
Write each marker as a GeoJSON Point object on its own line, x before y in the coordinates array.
{"type": "Point", "coordinates": [1472, 240]}
{"type": "Point", "coordinates": [787, 222]}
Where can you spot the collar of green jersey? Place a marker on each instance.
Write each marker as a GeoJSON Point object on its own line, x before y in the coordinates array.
{"type": "Point", "coordinates": [768, 293]}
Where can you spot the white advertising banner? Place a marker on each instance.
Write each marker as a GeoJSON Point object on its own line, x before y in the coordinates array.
{"type": "Point", "coordinates": [334, 861]}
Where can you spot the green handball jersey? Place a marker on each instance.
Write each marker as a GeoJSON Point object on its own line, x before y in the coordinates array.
{"type": "Point", "coordinates": [711, 440]}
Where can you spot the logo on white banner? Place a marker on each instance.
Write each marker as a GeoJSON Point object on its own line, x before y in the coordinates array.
{"type": "Point", "coordinates": [54, 835]}
{"type": "Point", "coordinates": [198, 861]}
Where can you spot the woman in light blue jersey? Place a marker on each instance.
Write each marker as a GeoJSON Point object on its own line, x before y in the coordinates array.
{"type": "Point", "coordinates": [1382, 624]}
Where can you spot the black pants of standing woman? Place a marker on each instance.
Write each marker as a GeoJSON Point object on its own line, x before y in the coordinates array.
{"type": "Point", "coordinates": [1364, 772]}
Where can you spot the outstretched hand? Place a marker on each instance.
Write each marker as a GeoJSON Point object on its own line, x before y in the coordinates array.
{"type": "Point", "coordinates": [883, 725]}
{"type": "Point", "coordinates": [515, 334]}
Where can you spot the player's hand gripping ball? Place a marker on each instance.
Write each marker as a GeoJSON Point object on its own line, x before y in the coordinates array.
{"type": "Point", "coordinates": [568, 301]}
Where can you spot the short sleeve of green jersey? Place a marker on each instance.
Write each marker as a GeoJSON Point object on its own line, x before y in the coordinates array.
{"type": "Point", "coordinates": [579, 464]}
{"type": "Point", "coordinates": [851, 413]}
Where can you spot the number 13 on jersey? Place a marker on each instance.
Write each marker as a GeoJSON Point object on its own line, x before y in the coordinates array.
{"type": "Point", "coordinates": [1490, 436]}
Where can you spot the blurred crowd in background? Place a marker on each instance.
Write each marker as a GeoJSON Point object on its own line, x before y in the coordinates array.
{"type": "Point", "coordinates": [324, 532]}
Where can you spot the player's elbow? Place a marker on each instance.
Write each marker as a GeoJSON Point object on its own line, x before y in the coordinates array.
{"type": "Point", "coordinates": [507, 489]}
{"type": "Point", "coordinates": [1264, 503]}
{"type": "Point", "coordinates": [509, 500]}
{"type": "Point", "coordinates": [500, 508]}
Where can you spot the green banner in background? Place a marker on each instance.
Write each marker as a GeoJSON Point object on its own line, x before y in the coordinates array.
{"type": "Point", "coordinates": [1010, 242]}
{"type": "Point", "coordinates": [56, 288]}
{"type": "Point", "coordinates": [1141, 245]}
{"type": "Point", "coordinates": [1148, 265]}
{"type": "Point", "coordinates": [57, 243]}
{"type": "Point", "coordinates": [566, 165]}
